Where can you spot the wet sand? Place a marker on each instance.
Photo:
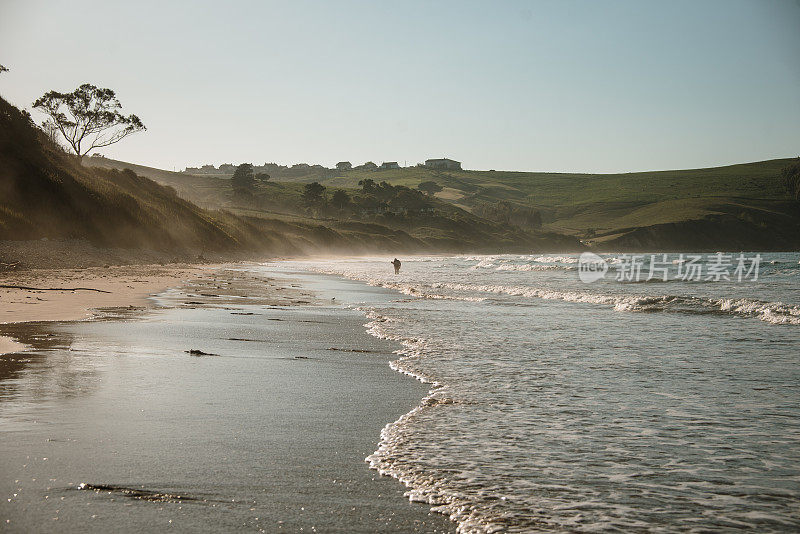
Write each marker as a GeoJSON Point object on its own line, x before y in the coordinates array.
{"type": "Point", "coordinates": [100, 287]}
{"type": "Point", "coordinates": [269, 434]}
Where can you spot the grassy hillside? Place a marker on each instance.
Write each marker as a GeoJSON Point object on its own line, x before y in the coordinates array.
{"type": "Point", "coordinates": [745, 204]}
{"type": "Point", "coordinates": [447, 228]}
{"type": "Point", "coordinates": [735, 206]}
{"type": "Point", "coordinates": [202, 190]}
{"type": "Point", "coordinates": [575, 202]}
{"type": "Point", "coordinates": [46, 193]}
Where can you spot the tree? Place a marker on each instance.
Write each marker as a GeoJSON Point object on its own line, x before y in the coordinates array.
{"type": "Point", "coordinates": [3, 69]}
{"type": "Point", "coordinates": [410, 199]}
{"type": "Point", "coordinates": [243, 177]}
{"type": "Point", "coordinates": [791, 178]}
{"type": "Point", "coordinates": [385, 190]}
{"type": "Point", "coordinates": [344, 166]}
{"type": "Point", "coordinates": [312, 193]}
{"type": "Point", "coordinates": [430, 188]}
{"type": "Point", "coordinates": [87, 116]}
{"type": "Point", "coordinates": [340, 199]}
{"type": "Point", "coordinates": [367, 186]}
{"type": "Point", "coordinates": [262, 177]}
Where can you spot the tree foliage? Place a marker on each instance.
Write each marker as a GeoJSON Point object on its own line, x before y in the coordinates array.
{"type": "Point", "coordinates": [430, 187]}
{"type": "Point", "coordinates": [3, 69]}
{"type": "Point", "coordinates": [791, 178]}
{"type": "Point", "coordinates": [243, 177]}
{"type": "Point", "coordinates": [340, 199]}
{"type": "Point", "coordinates": [87, 118]}
{"type": "Point", "coordinates": [409, 199]}
{"type": "Point", "coordinates": [312, 194]}
{"type": "Point", "coordinates": [367, 186]}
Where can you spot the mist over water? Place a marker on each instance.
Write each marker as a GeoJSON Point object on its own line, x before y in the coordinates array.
{"type": "Point", "coordinates": [654, 406]}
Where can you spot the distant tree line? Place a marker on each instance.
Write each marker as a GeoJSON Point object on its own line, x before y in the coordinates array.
{"type": "Point", "coordinates": [372, 198]}
{"type": "Point", "coordinates": [287, 172]}
{"type": "Point", "coordinates": [271, 169]}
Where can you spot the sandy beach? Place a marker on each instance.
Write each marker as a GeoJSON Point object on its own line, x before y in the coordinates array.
{"type": "Point", "coordinates": [267, 433]}
{"type": "Point", "coordinates": [48, 295]}
{"type": "Point", "coordinates": [73, 294]}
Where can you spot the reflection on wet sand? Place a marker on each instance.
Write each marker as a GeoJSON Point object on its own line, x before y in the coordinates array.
{"type": "Point", "coordinates": [271, 434]}
{"type": "Point", "coordinates": [49, 370]}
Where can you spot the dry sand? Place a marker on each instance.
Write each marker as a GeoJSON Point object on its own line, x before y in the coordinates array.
{"type": "Point", "coordinates": [9, 345]}
{"type": "Point", "coordinates": [119, 286]}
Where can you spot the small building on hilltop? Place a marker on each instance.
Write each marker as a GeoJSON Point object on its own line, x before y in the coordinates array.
{"type": "Point", "coordinates": [389, 165]}
{"type": "Point", "coordinates": [443, 163]}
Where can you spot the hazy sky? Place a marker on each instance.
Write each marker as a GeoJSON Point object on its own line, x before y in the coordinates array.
{"type": "Point", "coordinates": [553, 85]}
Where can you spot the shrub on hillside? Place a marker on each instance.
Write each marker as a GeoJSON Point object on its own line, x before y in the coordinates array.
{"type": "Point", "coordinates": [791, 178]}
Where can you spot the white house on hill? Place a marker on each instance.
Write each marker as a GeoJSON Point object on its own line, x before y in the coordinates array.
{"type": "Point", "coordinates": [443, 163]}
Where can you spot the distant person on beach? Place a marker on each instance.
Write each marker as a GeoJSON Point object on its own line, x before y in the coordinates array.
{"type": "Point", "coordinates": [396, 264]}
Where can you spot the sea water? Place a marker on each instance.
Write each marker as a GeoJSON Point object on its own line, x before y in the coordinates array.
{"type": "Point", "coordinates": [619, 405]}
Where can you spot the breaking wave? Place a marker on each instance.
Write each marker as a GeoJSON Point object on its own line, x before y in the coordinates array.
{"type": "Point", "coordinates": [770, 312]}
{"type": "Point", "coordinates": [395, 440]}
{"type": "Point", "coordinates": [515, 418]}
{"type": "Point", "coordinates": [776, 313]}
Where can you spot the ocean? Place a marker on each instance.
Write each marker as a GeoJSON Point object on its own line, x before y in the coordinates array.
{"type": "Point", "coordinates": [626, 404]}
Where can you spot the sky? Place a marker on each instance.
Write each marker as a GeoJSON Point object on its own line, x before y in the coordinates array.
{"type": "Point", "coordinates": [562, 85]}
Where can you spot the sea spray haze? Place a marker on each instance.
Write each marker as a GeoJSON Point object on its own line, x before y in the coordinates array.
{"type": "Point", "coordinates": [556, 404]}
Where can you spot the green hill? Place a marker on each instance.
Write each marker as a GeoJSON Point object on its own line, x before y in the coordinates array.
{"type": "Point", "coordinates": [740, 206]}
{"type": "Point", "coordinates": [46, 193]}
{"type": "Point", "coordinates": [745, 206]}
{"type": "Point", "coordinates": [448, 228]}
{"type": "Point", "coordinates": [561, 196]}
{"type": "Point", "coordinates": [735, 207]}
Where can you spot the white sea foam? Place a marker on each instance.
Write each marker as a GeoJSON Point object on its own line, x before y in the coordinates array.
{"type": "Point", "coordinates": [527, 267]}
{"type": "Point", "coordinates": [770, 312]}
{"type": "Point", "coordinates": [394, 439]}
{"type": "Point", "coordinates": [555, 259]}
{"type": "Point", "coordinates": [484, 264]}
{"type": "Point", "coordinates": [531, 424]}
{"type": "Point", "coordinates": [776, 313]}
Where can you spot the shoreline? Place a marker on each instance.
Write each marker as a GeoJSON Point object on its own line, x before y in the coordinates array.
{"type": "Point", "coordinates": [121, 286]}
{"type": "Point", "coordinates": [326, 391]}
